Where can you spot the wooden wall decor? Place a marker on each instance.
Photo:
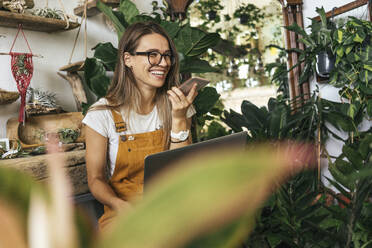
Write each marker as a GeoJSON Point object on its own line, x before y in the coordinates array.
{"type": "Point", "coordinates": [292, 13]}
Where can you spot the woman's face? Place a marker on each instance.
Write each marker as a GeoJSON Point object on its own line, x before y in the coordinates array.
{"type": "Point", "coordinates": [149, 76]}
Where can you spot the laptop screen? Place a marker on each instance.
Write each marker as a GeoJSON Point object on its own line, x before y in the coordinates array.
{"type": "Point", "coordinates": [157, 162]}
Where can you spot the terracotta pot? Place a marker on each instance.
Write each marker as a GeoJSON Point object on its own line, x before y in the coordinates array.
{"type": "Point", "coordinates": [36, 128]}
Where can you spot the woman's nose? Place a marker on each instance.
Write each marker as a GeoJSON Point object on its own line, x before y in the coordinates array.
{"type": "Point", "coordinates": [163, 62]}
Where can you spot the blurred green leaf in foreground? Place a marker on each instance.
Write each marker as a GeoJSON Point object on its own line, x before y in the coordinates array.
{"type": "Point", "coordinates": [208, 201]}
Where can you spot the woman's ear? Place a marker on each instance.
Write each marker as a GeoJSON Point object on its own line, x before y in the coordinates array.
{"type": "Point", "coordinates": [127, 59]}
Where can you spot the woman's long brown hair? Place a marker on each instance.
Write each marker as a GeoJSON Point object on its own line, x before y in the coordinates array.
{"type": "Point", "coordinates": [123, 92]}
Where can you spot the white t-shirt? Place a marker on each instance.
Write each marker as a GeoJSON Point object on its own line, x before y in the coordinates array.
{"type": "Point", "coordinates": [102, 122]}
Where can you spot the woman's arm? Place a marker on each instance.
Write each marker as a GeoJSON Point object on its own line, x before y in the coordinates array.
{"type": "Point", "coordinates": [96, 152]}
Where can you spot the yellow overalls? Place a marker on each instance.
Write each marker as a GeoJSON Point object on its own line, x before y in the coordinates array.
{"type": "Point", "coordinates": [127, 179]}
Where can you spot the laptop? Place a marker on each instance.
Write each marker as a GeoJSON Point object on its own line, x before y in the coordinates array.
{"type": "Point", "coordinates": [157, 162]}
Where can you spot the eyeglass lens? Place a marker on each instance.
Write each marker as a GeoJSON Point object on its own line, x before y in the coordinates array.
{"type": "Point", "coordinates": [156, 57]}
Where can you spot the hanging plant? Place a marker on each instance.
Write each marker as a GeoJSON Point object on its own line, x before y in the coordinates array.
{"type": "Point", "coordinates": [209, 11]}
{"type": "Point", "coordinates": [325, 62]}
{"type": "Point", "coordinates": [248, 14]}
{"type": "Point", "coordinates": [212, 15]}
{"type": "Point", "coordinates": [318, 55]}
{"type": "Point", "coordinates": [21, 67]}
{"type": "Point", "coordinates": [48, 13]}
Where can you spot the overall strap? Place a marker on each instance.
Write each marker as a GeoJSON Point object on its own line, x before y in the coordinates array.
{"type": "Point", "coordinates": [120, 125]}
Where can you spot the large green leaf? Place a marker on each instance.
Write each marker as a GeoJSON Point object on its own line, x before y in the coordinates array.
{"type": "Point", "coordinates": [256, 118]}
{"type": "Point", "coordinates": [205, 100]}
{"type": "Point", "coordinates": [369, 108]}
{"type": "Point", "coordinates": [359, 36]}
{"type": "Point", "coordinates": [367, 89]}
{"type": "Point", "coordinates": [234, 120]}
{"type": "Point", "coordinates": [193, 42]}
{"type": "Point", "coordinates": [365, 145]}
{"type": "Point", "coordinates": [142, 18]}
{"type": "Point", "coordinates": [353, 156]}
{"type": "Point", "coordinates": [226, 237]}
{"type": "Point", "coordinates": [99, 85]}
{"type": "Point", "coordinates": [95, 76]}
{"type": "Point", "coordinates": [107, 53]}
{"type": "Point", "coordinates": [172, 28]}
{"type": "Point", "coordinates": [278, 120]}
{"type": "Point", "coordinates": [344, 166]}
{"type": "Point", "coordinates": [129, 10]}
{"type": "Point", "coordinates": [200, 197]}
{"type": "Point", "coordinates": [322, 16]}
{"type": "Point", "coordinates": [341, 178]}
{"type": "Point", "coordinates": [196, 65]}
{"type": "Point", "coordinates": [108, 12]}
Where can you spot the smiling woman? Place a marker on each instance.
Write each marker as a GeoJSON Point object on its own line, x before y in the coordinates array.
{"type": "Point", "coordinates": [144, 112]}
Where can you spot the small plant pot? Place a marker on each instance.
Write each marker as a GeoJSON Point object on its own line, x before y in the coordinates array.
{"type": "Point", "coordinates": [212, 15]}
{"type": "Point", "coordinates": [244, 19]}
{"type": "Point", "coordinates": [325, 62]}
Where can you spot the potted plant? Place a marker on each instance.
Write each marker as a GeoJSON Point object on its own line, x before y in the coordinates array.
{"type": "Point", "coordinates": [318, 55]}
{"type": "Point", "coordinates": [209, 9]}
{"type": "Point", "coordinates": [353, 67]}
{"type": "Point", "coordinates": [248, 14]}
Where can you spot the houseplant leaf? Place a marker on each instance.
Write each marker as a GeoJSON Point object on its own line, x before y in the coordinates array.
{"type": "Point", "coordinates": [107, 54]}
{"type": "Point", "coordinates": [256, 118]}
{"type": "Point", "coordinates": [172, 28]}
{"type": "Point", "coordinates": [109, 13]}
{"type": "Point", "coordinates": [95, 76]}
{"type": "Point", "coordinates": [129, 10]}
{"type": "Point", "coordinates": [205, 100]}
{"type": "Point", "coordinates": [182, 204]}
{"type": "Point", "coordinates": [193, 42]}
{"type": "Point", "coordinates": [195, 65]}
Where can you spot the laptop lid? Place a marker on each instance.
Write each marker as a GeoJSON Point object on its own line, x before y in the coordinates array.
{"type": "Point", "coordinates": [157, 162]}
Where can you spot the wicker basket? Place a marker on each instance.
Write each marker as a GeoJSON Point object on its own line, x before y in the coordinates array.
{"type": "Point", "coordinates": [7, 97]}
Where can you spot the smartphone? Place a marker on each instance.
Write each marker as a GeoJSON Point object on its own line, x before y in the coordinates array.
{"type": "Point", "coordinates": [187, 85]}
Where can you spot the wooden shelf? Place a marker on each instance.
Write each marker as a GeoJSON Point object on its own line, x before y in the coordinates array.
{"type": "Point", "coordinates": [77, 66]}
{"type": "Point", "coordinates": [92, 9]}
{"type": "Point", "coordinates": [37, 167]}
{"type": "Point", "coordinates": [35, 23]}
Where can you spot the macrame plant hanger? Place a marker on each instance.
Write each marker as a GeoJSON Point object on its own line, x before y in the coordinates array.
{"type": "Point", "coordinates": [22, 70]}
{"type": "Point", "coordinates": [73, 67]}
{"type": "Point", "coordinates": [83, 19]}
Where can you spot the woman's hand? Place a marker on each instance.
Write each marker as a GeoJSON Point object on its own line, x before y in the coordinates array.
{"type": "Point", "coordinates": [180, 102]}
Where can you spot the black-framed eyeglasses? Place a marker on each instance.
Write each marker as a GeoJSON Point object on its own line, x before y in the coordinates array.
{"type": "Point", "coordinates": [155, 57]}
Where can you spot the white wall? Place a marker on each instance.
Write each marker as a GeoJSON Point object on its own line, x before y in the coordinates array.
{"type": "Point", "coordinates": [333, 146]}
{"type": "Point", "coordinates": [56, 49]}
